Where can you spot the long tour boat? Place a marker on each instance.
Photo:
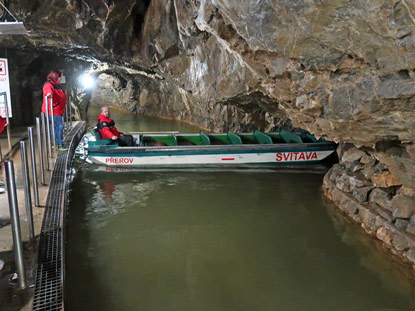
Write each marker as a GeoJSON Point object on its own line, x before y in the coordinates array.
{"type": "Point", "coordinates": [229, 149]}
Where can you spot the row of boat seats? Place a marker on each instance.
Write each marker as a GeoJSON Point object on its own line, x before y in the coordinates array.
{"type": "Point", "coordinates": [286, 136]}
{"type": "Point", "coordinates": [233, 138]}
{"type": "Point", "coordinates": [260, 138]}
{"type": "Point", "coordinates": [205, 140]}
{"type": "Point", "coordinates": [98, 137]}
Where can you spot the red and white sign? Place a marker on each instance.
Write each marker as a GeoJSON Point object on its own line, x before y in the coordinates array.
{"type": "Point", "coordinates": [5, 87]}
{"type": "Point", "coordinates": [3, 67]}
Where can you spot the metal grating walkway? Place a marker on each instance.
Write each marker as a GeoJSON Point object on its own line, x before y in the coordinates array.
{"type": "Point", "coordinates": [50, 266]}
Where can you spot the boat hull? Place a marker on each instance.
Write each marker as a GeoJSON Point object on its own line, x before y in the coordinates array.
{"type": "Point", "coordinates": [185, 156]}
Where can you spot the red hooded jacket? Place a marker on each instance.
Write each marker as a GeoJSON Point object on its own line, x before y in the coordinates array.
{"type": "Point", "coordinates": [3, 122]}
{"type": "Point", "coordinates": [58, 97]}
{"type": "Point", "coordinates": [106, 127]}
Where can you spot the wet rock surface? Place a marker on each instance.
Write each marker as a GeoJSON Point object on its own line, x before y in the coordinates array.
{"type": "Point", "coordinates": [343, 70]}
{"type": "Point", "coordinates": [381, 202]}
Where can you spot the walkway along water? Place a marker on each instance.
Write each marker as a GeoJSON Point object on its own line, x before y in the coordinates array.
{"type": "Point", "coordinates": [11, 297]}
{"type": "Point", "coordinates": [50, 266]}
{"type": "Point", "coordinates": [47, 294]}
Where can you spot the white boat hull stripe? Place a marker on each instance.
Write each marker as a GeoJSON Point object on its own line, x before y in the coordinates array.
{"type": "Point", "coordinates": [241, 158]}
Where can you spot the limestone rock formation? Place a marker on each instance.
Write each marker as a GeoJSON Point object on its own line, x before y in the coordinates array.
{"type": "Point", "coordinates": [343, 70]}
{"type": "Point", "coordinates": [336, 69]}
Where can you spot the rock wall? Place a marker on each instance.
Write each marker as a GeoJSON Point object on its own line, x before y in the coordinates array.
{"type": "Point", "coordinates": [342, 69]}
{"type": "Point", "coordinates": [151, 94]}
{"type": "Point", "coordinates": [337, 69]}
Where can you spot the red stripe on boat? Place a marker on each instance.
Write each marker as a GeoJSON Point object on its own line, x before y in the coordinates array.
{"type": "Point", "coordinates": [228, 159]}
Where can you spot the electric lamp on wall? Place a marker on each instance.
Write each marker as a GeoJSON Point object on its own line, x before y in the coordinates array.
{"type": "Point", "coordinates": [87, 81]}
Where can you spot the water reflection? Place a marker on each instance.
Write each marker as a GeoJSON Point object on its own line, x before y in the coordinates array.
{"type": "Point", "coordinates": [393, 273]}
{"type": "Point", "coordinates": [107, 188]}
{"type": "Point", "coordinates": [193, 240]}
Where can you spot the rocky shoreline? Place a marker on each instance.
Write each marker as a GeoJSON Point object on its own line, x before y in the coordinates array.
{"type": "Point", "coordinates": [366, 190]}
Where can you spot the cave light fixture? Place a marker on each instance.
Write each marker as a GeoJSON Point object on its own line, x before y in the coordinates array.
{"type": "Point", "coordinates": [87, 81]}
{"type": "Point", "coordinates": [10, 28]}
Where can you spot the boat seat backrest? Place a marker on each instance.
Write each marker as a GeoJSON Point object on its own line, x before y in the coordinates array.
{"type": "Point", "coordinates": [234, 138]}
{"type": "Point", "coordinates": [204, 138]}
{"type": "Point", "coordinates": [308, 138]}
{"type": "Point", "coordinates": [262, 138]}
{"type": "Point", "coordinates": [174, 140]}
{"type": "Point", "coordinates": [289, 137]}
{"type": "Point", "coordinates": [138, 140]}
{"type": "Point", "coordinates": [97, 135]}
{"type": "Point", "coordinates": [99, 140]}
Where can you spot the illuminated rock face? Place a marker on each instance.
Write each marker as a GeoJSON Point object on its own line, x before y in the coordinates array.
{"type": "Point", "coordinates": [338, 69]}
{"type": "Point", "coordinates": [342, 69]}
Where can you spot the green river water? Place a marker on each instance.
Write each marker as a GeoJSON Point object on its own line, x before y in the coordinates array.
{"type": "Point", "coordinates": [219, 240]}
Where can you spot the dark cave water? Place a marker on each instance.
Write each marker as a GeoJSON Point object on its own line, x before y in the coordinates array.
{"type": "Point", "coordinates": [219, 240]}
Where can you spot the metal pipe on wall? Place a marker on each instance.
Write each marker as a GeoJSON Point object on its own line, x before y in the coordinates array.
{"type": "Point", "coordinates": [15, 222]}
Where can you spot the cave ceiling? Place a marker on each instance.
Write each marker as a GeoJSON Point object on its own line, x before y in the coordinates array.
{"type": "Point", "coordinates": [336, 68]}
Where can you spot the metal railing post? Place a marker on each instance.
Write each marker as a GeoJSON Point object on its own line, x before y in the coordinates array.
{"type": "Point", "coordinates": [53, 123]}
{"type": "Point", "coordinates": [70, 111]}
{"type": "Point", "coordinates": [48, 127]}
{"type": "Point", "coordinates": [34, 168]}
{"type": "Point", "coordinates": [7, 121]}
{"type": "Point", "coordinates": [66, 117]}
{"type": "Point", "coordinates": [40, 148]}
{"type": "Point", "coordinates": [28, 197]}
{"type": "Point", "coordinates": [14, 217]}
{"type": "Point", "coordinates": [45, 139]}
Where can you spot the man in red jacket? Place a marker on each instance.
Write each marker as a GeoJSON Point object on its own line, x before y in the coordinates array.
{"type": "Point", "coordinates": [107, 129]}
